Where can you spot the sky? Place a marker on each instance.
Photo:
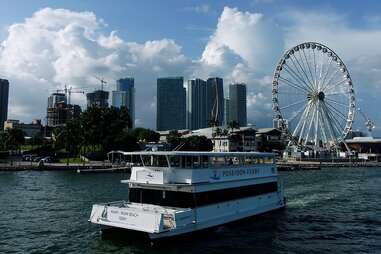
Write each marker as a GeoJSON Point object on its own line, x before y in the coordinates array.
{"type": "Point", "coordinates": [47, 44]}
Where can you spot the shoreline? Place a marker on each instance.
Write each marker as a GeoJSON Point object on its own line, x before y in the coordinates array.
{"type": "Point", "coordinates": [27, 166]}
{"type": "Point", "coordinates": [318, 165]}
{"type": "Point", "coordinates": [95, 167]}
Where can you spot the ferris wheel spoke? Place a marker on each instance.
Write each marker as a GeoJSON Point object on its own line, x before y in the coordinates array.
{"type": "Point", "coordinates": [329, 88]}
{"type": "Point", "coordinates": [322, 60]}
{"type": "Point", "coordinates": [335, 130]}
{"type": "Point", "coordinates": [293, 93]}
{"type": "Point", "coordinates": [337, 112]}
{"type": "Point", "coordinates": [332, 109]}
{"type": "Point", "coordinates": [313, 50]}
{"type": "Point", "coordinates": [327, 126]}
{"type": "Point", "coordinates": [300, 70]}
{"type": "Point", "coordinates": [326, 73]}
{"type": "Point", "coordinates": [329, 80]}
{"type": "Point", "coordinates": [305, 121]}
{"type": "Point", "coordinates": [310, 125]}
{"type": "Point", "coordinates": [296, 76]}
{"type": "Point", "coordinates": [335, 123]}
{"type": "Point", "coordinates": [323, 132]}
{"type": "Point", "coordinates": [293, 104]}
{"type": "Point", "coordinates": [309, 68]}
{"type": "Point", "coordinates": [302, 119]}
{"type": "Point", "coordinates": [337, 103]}
{"type": "Point", "coordinates": [297, 113]}
{"type": "Point", "coordinates": [316, 125]}
{"type": "Point", "coordinates": [294, 85]}
{"type": "Point", "coordinates": [303, 68]}
{"type": "Point", "coordinates": [332, 94]}
{"type": "Point", "coordinates": [328, 121]}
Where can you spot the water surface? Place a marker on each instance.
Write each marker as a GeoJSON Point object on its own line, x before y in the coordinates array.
{"type": "Point", "coordinates": [328, 211]}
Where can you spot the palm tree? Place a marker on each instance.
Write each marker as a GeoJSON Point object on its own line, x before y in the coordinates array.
{"type": "Point", "coordinates": [15, 138]}
{"type": "Point", "coordinates": [212, 123]}
{"type": "Point", "coordinates": [233, 125]}
{"type": "Point", "coordinates": [218, 131]}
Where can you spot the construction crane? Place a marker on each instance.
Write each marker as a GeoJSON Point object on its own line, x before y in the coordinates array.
{"type": "Point", "coordinates": [68, 92]}
{"type": "Point", "coordinates": [368, 123]}
{"type": "Point", "coordinates": [103, 82]}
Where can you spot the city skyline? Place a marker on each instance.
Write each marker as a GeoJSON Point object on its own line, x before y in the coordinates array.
{"type": "Point", "coordinates": [202, 47]}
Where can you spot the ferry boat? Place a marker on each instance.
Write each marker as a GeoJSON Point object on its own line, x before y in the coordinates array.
{"type": "Point", "coordinates": [178, 192]}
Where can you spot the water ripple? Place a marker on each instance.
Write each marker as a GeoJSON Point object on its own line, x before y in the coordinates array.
{"type": "Point", "coordinates": [328, 211]}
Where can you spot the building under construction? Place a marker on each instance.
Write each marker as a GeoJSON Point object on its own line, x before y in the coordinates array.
{"type": "Point", "coordinates": [98, 98]}
{"type": "Point", "coordinates": [59, 111]}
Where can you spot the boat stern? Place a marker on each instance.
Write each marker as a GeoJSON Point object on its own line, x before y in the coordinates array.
{"type": "Point", "coordinates": [133, 216]}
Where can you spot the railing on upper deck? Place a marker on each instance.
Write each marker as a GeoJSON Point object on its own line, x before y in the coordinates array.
{"type": "Point", "coordinates": [203, 160]}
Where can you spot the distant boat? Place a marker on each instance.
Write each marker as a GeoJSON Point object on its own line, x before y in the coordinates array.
{"type": "Point", "coordinates": [173, 193]}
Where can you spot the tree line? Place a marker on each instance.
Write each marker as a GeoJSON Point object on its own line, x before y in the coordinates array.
{"type": "Point", "coordinates": [97, 130]}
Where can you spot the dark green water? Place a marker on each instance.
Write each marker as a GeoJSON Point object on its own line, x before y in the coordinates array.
{"type": "Point", "coordinates": [328, 211]}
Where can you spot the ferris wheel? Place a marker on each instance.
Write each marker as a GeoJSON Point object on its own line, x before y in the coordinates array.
{"type": "Point", "coordinates": [313, 97]}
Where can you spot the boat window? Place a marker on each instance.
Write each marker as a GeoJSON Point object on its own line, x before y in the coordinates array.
{"type": "Point", "coordinates": [175, 161]}
{"type": "Point", "coordinates": [250, 160]}
{"type": "Point", "coordinates": [217, 162]}
{"type": "Point", "coordinates": [204, 161]}
{"type": "Point", "coordinates": [196, 161]}
{"type": "Point", "coordinates": [190, 200]}
{"type": "Point", "coordinates": [268, 160]}
{"type": "Point", "coordinates": [155, 160]}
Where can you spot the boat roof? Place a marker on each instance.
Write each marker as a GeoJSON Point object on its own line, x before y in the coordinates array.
{"type": "Point", "coordinates": [196, 153]}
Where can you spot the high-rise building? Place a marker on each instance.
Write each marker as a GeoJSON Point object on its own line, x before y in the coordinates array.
{"type": "Point", "coordinates": [226, 109]}
{"type": "Point", "coordinates": [97, 98]}
{"type": "Point", "coordinates": [237, 104]}
{"type": "Point", "coordinates": [196, 104]}
{"type": "Point", "coordinates": [125, 96]}
{"type": "Point", "coordinates": [56, 98]}
{"type": "Point", "coordinates": [215, 100]}
{"type": "Point", "coordinates": [59, 112]}
{"type": "Point", "coordinates": [4, 93]}
{"type": "Point", "coordinates": [171, 103]}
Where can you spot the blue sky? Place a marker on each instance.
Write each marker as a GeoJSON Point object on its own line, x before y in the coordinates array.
{"type": "Point", "coordinates": [151, 19]}
{"type": "Point", "coordinates": [147, 39]}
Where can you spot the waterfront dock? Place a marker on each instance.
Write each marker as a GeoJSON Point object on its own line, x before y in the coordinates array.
{"type": "Point", "coordinates": [105, 170]}
{"type": "Point", "coordinates": [23, 166]}
{"type": "Point", "coordinates": [317, 165]}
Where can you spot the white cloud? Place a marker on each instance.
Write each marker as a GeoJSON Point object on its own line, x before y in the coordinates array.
{"type": "Point", "coordinates": [57, 46]}
{"type": "Point", "coordinates": [244, 48]}
{"type": "Point", "coordinates": [251, 36]}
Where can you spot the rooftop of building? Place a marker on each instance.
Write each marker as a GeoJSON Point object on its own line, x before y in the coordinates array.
{"type": "Point", "coordinates": [208, 132]}
{"type": "Point", "coordinates": [269, 131]}
{"type": "Point", "coordinates": [170, 78]}
{"type": "Point", "coordinates": [363, 140]}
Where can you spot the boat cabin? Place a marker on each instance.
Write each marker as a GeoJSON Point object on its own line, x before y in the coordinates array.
{"type": "Point", "coordinates": [195, 160]}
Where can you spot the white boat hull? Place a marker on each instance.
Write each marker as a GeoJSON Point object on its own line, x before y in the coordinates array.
{"type": "Point", "coordinates": [184, 221]}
